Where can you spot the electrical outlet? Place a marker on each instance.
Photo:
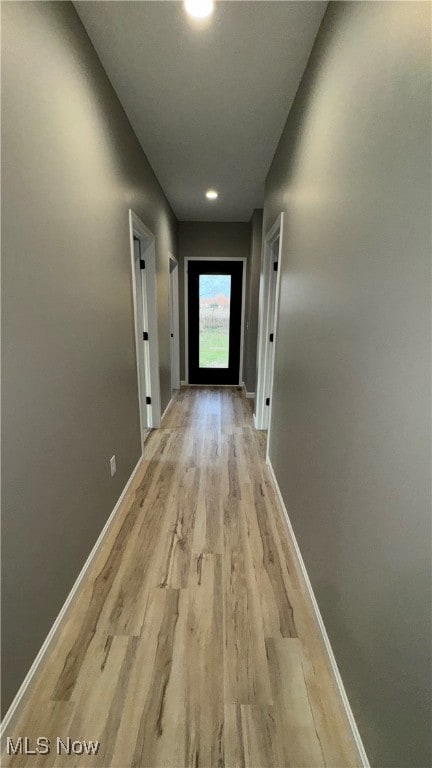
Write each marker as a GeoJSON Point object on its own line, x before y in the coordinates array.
{"type": "Point", "coordinates": [113, 466]}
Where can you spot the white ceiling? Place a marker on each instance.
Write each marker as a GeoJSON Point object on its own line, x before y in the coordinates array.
{"type": "Point", "coordinates": [208, 103]}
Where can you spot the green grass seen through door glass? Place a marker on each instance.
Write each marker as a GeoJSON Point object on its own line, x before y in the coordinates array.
{"type": "Point", "coordinates": [213, 349]}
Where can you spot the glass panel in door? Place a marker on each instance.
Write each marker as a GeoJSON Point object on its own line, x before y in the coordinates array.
{"type": "Point", "coordinates": [214, 320]}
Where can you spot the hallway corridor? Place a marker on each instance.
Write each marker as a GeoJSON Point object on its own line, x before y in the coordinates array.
{"type": "Point", "coordinates": [192, 642]}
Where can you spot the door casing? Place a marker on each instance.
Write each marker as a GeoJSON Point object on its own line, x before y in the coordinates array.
{"type": "Point", "coordinates": [174, 321]}
{"type": "Point", "coordinates": [267, 323]}
{"type": "Point", "coordinates": [145, 319]}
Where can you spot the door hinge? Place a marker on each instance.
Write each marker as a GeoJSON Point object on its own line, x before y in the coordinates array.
{"type": "Point", "coordinates": [148, 400]}
{"type": "Point", "coordinates": [275, 266]}
{"type": "Point", "coordinates": [267, 401]}
{"type": "Point", "coordinates": [271, 337]}
{"type": "Point", "coordinates": [142, 263]}
{"type": "Point", "coordinates": [145, 335]}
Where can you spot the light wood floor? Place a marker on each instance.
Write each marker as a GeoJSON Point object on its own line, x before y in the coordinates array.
{"type": "Point", "coordinates": [192, 641]}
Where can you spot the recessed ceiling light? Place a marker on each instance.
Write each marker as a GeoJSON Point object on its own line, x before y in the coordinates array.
{"type": "Point", "coordinates": [199, 9]}
{"type": "Point", "coordinates": [211, 194]}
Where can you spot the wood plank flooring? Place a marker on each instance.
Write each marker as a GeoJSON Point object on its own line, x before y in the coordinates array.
{"type": "Point", "coordinates": [192, 642]}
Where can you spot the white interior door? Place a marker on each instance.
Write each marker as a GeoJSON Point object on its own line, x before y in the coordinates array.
{"type": "Point", "coordinates": [146, 324]}
{"type": "Point", "coordinates": [271, 337]}
{"type": "Point", "coordinates": [267, 325]}
{"type": "Point", "coordinates": [174, 323]}
{"type": "Point", "coordinates": [142, 363]}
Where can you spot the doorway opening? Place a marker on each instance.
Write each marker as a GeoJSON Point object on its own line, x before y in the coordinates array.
{"type": "Point", "coordinates": [214, 317]}
{"type": "Point", "coordinates": [174, 322]}
{"type": "Point", "coordinates": [267, 327]}
{"type": "Point", "coordinates": [143, 261]}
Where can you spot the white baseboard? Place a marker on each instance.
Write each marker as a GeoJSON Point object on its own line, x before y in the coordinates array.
{"type": "Point", "coordinates": [249, 395]}
{"type": "Point", "coordinates": [168, 407]}
{"type": "Point", "coordinates": [333, 664]}
{"type": "Point", "coordinates": [12, 712]}
{"type": "Point", "coordinates": [183, 383]}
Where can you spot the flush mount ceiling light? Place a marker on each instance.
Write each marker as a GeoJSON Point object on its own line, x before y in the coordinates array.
{"type": "Point", "coordinates": [211, 194]}
{"type": "Point", "coordinates": [199, 9]}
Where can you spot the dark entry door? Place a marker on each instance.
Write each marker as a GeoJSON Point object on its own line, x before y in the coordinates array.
{"type": "Point", "coordinates": [214, 321]}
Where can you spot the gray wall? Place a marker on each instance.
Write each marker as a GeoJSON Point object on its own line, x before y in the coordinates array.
{"type": "Point", "coordinates": [207, 240]}
{"type": "Point", "coordinates": [350, 432]}
{"type": "Point", "coordinates": [71, 169]}
{"type": "Point", "coordinates": [252, 301]}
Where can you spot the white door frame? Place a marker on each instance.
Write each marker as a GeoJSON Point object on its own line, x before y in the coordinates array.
{"type": "Point", "coordinates": [220, 258]}
{"type": "Point", "coordinates": [174, 321]}
{"type": "Point", "coordinates": [145, 320]}
{"type": "Point", "coordinates": [267, 323]}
